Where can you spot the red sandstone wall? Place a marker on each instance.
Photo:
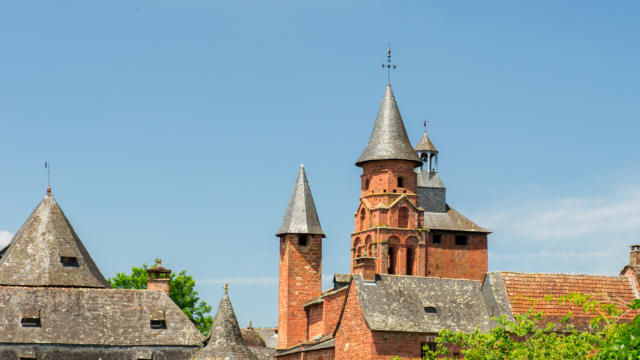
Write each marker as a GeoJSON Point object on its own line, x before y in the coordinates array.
{"type": "Point", "coordinates": [354, 340]}
{"type": "Point", "coordinates": [299, 281]}
{"type": "Point", "coordinates": [315, 321]}
{"type": "Point", "coordinates": [448, 260]}
{"type": "Point", "coordinates": [332, 308]}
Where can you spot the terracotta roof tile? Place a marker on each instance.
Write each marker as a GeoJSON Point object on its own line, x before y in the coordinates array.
{"type": "Point", "coordinates": [526, 291]}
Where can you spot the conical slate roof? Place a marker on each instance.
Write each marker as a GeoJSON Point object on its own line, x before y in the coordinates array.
{"type": "Point", "coordinates": [389, 138]}
{"type": "Point", "coordinates": [301, 216]}
{"type": "Point", "coordinates": [46, 251]}
{"type": "Point", "coordinates": [425, 144]}
{"type": "Point", "coordinates": [225, 338]}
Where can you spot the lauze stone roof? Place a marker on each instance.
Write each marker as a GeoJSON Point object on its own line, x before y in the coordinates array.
{"type": "Point", "coordinates": [421, 304]}
{"type": "Point", "coordinates": [113, 317]}
{"type": "Point", "coordinates": [46, 251]}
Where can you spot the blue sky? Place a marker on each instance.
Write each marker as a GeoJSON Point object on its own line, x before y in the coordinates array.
{"type": "Point", "coordinates": [175, 129]}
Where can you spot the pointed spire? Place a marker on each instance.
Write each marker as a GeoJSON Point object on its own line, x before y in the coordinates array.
{"type": "Point", "coordinates": [225, 338]}
{"type": "Point", "coordinates": [46, 251]}
{"type": "Point", "coordinates": [425, 144]}
{"type": "Point", "coordinates": [389, 138]}
{"type": "Point", "coordinates": [301, 216]}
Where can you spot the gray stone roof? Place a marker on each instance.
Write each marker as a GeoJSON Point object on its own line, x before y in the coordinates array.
{"type": "Point", "coordinates": [46, 251]}
{"type": "Point", "coordinates": [301, 216]}
{"type": "Point", "coordinates": [89, 316]}
{"type": "Point", "coordinates": [225, 338]}
{"type": "Point", "coordinates": [451, 220]}
{"type": "Point", "coordinates": [425, 144]}
{"type": "Point", "coordinates": [429, 179]}
{"type": "Point", "coordinates": [389, 138]}
{"type": "Point", "coordinates": [397, 303]}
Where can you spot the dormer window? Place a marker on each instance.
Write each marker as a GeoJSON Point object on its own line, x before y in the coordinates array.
{"type": "Point", "coordinates": [30, 318]}
{"type": "Point", "coordinates": [69, 261]}
{"type": "Point", "coordinates": [158, 324]}
{"type": "Point", "coordinates": [430, 310]}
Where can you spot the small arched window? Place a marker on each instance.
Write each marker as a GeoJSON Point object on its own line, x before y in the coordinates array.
{"type": "Point", "coordinates": [400, 181]}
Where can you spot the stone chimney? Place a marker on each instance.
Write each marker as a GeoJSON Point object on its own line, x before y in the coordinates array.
{"type": "Point", "coordinates": [158, 277]}
{"type": "Point", "coordinates": [634, 256]}
{"type": "Point", "coordinates": [365, 266]}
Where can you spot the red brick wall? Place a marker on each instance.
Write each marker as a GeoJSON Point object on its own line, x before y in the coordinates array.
{"type": "Point", "coordinates": [299, 281]}
{"type": "Point", "coordinates": [354, 340]}
{"type": "Point", "coordinates": [315, 320]}
{"type": "Point", "coordinates": [449, 260]}
{"type": "Point", "coordinates": [322, 354]}
{"type": "Point", "coordinates": [389, 344]}
{"type": "Point", "coordinates": [332, 308]}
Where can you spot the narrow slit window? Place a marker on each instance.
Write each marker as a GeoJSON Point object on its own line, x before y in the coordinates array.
{"type": "Point", "coordinates": [158, 324]}
{"type": "Point", "coordinates": [400, 182]}
{"type": "Point", "coordinates": [430, 309]}
{"type": "Point", "coordinates": [30, 322]}
{"type": "Point", "coordinates": [461, 240]}
{"type": "Point", "coordinates": [69, 261]}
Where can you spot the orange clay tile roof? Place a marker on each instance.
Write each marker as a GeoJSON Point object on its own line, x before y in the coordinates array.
{"type": "Point", "coordinates": [526, 291]}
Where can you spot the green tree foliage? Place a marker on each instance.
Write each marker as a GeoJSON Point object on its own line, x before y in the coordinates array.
{"type": "Point", "coordinates": [527, 338]}
{"type": "Point", "coordinates": [182, 292]}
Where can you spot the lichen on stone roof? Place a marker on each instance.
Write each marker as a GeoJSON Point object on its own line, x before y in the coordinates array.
{"type": "Point", "coordinates": [397, 303]}
{"type": "Point", "coordinates": [451, 220]}
{"type": "Point", "coordinates": [46, 251]}
{"type": "Point", "coordinates": [225, 338]}
{"type": "Point", "coordinates": [90, 316]}
{"type": "Point", "coordinates": [425, 144]}
{"type": "Point", "coordinates": [301, 216]}
{"type": "Point", "coordinates": [388, 138]}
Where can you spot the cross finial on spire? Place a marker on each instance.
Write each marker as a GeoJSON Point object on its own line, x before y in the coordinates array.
{"type": "Point", "coordinates": [388, 65]}
{"type": "Point", "coordinates": [48, 167]}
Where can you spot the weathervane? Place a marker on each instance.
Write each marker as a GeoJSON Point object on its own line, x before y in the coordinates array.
{"type": "Point", "coordinates": [388, 65]}
{"type": "Point", "coordinates": [48, 167]}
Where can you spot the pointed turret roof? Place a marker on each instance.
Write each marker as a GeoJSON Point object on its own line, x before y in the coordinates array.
{"type": "Point", "coordinates": [225, 339]}
{"type": "Point", "coordinates": [425, 144]}
{"type": "Point", "coordinates": [301, 216]}
{"type": "Point", "coordinates": [46, 251]}
{"type": "Point", "coordinates": [389, 138]}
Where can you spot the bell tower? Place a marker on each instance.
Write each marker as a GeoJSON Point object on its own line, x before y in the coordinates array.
{"type": "Point", "coordinates": [388, 220]}
{"type": "Point", "coordinates": [300, 278]}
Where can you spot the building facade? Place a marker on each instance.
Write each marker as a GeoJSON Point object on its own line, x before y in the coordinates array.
{"type": "Point", "coordinates": [417, 265]}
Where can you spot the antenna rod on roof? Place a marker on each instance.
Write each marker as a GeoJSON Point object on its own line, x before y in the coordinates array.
{"type": "Point", "coordinates": [47, 166]}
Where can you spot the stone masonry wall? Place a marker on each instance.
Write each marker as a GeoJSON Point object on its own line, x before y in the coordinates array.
{"type": "Point", "coordinates": [449, 260]}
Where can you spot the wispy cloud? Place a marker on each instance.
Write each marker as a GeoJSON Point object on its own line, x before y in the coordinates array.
{"type": "Point", "coordinates": [589, 234]}
{"type": "Point", "coordinates": [5, 238]}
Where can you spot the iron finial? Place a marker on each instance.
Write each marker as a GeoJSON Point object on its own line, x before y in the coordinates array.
{"type": "Point", "coordinates": [388, 65]}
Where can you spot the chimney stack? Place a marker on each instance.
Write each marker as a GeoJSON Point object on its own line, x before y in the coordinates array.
{"type": "Point", "coordinates": [634, 256]}
{"type": "Point", "coordinates": [365, 266]}
{"type": "Point", "coordinates": [158, 277]}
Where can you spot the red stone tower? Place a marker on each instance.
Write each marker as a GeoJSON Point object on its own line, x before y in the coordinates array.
{"type": "Point", "coordinates": [388, 224]}
{"type": "Point", "coordinates": [300, 277]}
